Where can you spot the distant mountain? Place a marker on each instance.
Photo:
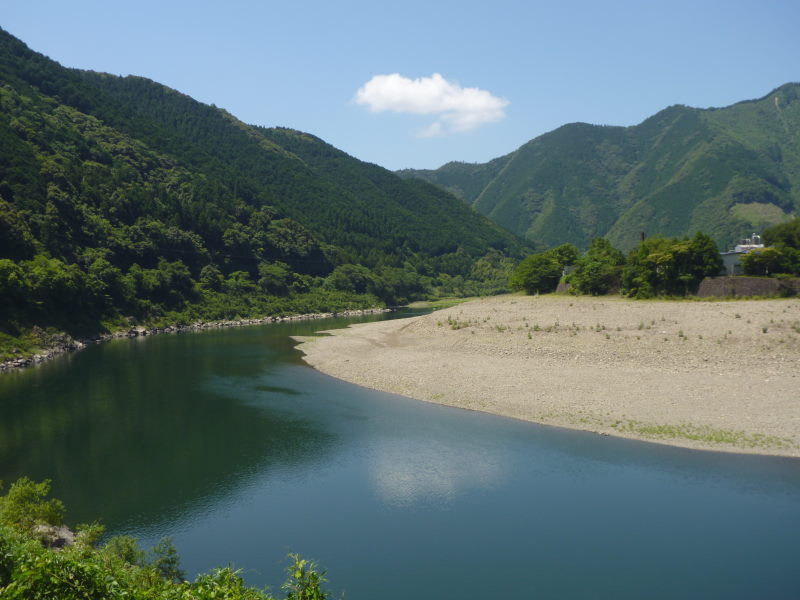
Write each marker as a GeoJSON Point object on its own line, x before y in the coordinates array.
{"type": "Point", "coordinates": [119, 195]}
{"type": "Point", "coordinates": [725, 171]}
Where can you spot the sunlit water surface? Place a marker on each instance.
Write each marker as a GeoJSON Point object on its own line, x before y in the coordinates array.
{"type": "Point", "coordinates": [225, 441]}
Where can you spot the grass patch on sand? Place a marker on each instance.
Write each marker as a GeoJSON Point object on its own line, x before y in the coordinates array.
{"type": "Point", "coordinates": [703, 433]}
{"type": "Point", "coordinates": [686, 431]}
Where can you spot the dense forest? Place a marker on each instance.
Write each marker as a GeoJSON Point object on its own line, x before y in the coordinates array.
{"type": "Point", "coordinates": [123, 201]}
{"type": "Point", "coordinates": [725, 171]}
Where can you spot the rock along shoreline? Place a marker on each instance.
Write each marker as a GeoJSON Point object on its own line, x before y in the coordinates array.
{"type": "Point", "coordinates": [63, 343]}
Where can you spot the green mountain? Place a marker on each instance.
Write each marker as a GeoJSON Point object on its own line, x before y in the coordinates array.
{"type": "Point", "coordinates": [119, 196]}
{"type": "Point", "coordinates": [725, 171]}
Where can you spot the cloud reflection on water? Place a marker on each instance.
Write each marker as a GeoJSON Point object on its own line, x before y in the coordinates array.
{"type": "Point", "coordinates": [406, 472]}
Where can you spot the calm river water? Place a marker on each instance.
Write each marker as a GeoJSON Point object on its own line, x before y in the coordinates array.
{"type": "Point", "coordinates": [225, 441]}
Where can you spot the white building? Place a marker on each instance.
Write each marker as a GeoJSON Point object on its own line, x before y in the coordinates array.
{"type": "Point", "coordinates": [730, 259]}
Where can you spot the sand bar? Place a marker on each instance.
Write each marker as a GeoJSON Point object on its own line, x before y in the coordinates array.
{"type": "Point", "coordinates": [717, 375]}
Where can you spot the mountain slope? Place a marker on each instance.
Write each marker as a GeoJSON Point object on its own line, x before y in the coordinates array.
{"type": "Point", "coordinates": [464, 180]}
{"type": "Point", "coordinates": [725, 171]}
{"type": "Point", "coordinates": [348, 205]}
{"type": "Point", "coordinates": [121, 196]}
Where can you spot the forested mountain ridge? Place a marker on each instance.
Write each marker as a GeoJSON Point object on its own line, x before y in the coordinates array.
{"type": "Point", "coordinates": [121, 196]}
{"type": "Point", "coordinates": [363, 204]}
{"type": "Point", "coordinates": [725, 171]}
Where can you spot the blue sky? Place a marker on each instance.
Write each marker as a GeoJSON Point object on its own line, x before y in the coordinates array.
{"type": "Point", "coordinates": [508, 71]}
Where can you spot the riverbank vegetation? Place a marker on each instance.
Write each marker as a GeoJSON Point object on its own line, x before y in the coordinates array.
{"type": "Point", "coordinates": [541, 272]}
{"type": "Point", "coordinates": [670, 266]}
{"type": "Point", "coordinates": [40, 558]}
{"type": "Point", "coordinates": [657, 267]}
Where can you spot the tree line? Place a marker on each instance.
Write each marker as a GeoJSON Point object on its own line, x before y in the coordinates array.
{"type": "Point", "coordinates": [658, 266]}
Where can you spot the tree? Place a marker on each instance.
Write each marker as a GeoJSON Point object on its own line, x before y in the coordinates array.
{"type": "Point", "coordinates": [106, 282]}
{"type": "Point", "coordinates": [705, 259]}
{"type": "Point", "coordinates": [541, 272]}
{"type": "Point", "coordinates": [126, 548]}
{"type": "Point", "coordinates": [538, 273]}
{"type": "Point", "coordinates": [211, 277]}
{"type": "Point", "coordinates": [13, 283]}
{"type": "Point", "coordinates": [239, 283]}
{"type": "Point", "coordinates": [787, 234]}
{"type": "Point", "coordinates": [24, 506]}
{"type": "Point", "coordinates": [274, 278]}
{"type": "Point", "coordinates": [55, 284]}
{"type": "Point", "coordinates": [770, 261]}
{"type": "Point", "coordinates": [669, 266]}
{"type": "Point", "coordinates": [782, 254]}
{"type": "Point", "coordinates": [16, 239]}
{"type": "Point", "coordinates": [166, 561]}
{"type": "Point", "coordinates": [351, 278]}
{"type": "Point", "coordinates": [599, 270]}
{"type": "Point", "coordinates": [565, 254]}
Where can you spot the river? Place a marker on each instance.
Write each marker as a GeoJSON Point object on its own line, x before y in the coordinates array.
{"type": "Point", "coordinates": [227, 442]}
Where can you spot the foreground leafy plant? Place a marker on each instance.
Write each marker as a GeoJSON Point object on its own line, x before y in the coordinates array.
{"type": "Point", "coordinates": [119, 569]}
{"type": "Point", "coordinates": [25, 506]}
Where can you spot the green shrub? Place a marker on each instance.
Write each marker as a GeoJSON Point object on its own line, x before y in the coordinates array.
{"type": "Point", "coordinates": [541, 272]}
{"type": "Point", "coordinates": [24, 506]}
{"type": "Point", "coordinates": [670, 266]}
{"type": "Point", "coordinates": [119, 570]}
{"type": "Point", "coordinates": [599, 270]}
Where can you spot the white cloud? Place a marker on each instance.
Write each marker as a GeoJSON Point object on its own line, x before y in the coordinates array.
{"type": "Point", "coordinates": [458, 109]}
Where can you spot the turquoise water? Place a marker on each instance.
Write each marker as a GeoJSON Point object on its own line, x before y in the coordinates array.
{"type": "Point", "coordinates": [224, 440]}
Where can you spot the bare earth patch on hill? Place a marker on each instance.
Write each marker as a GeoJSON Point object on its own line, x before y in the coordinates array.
{"type": "Point", "coordinates": [715, 375]}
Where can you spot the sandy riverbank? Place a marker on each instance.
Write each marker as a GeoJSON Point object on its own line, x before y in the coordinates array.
{"type": "Point", "coordinates": [713, 375]}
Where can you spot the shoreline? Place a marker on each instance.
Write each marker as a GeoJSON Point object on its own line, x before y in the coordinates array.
{"type": "Point", "coordinates": [722, 376]}
{"type": "Point", "coordinates": [64, 343]}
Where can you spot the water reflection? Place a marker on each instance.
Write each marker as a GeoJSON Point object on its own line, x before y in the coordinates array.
{"type": "Point", "coordinates": [406, 472]}
{"type": "Point", "coordinates": [136, 432]}
{"type": "Point", "coordinates": [133, 423]}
